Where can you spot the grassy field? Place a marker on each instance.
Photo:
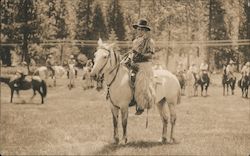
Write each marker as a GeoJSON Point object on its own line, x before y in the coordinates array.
{"type": "Point", "coordinates": [78, 122]}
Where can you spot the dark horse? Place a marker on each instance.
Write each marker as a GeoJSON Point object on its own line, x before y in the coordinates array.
{"type": "Point", "coordinates": [226, 82]}
{"type": "Point", "coordinates": [35, 84]}
{"type": "Point", "coordinates": [244, 84]}
{"type": "Point", "coordinates": [181, 77]}
{"type": "Point", "coordinates": [204, 82]}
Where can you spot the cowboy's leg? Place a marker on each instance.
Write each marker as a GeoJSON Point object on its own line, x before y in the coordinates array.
{"type": "Point", "coordinates": [143, 95]}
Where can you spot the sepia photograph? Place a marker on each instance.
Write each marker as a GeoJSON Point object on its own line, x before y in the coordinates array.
{"type": "Point", "coordinates": [125, 77]}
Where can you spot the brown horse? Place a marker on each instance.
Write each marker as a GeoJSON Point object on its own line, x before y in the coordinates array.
{"type": "Point", "coordinates": [36, 84]}
{"type": "Point", "coordinates": [244, 84]}
{"type": "Point", "coordinates": [226, 82]}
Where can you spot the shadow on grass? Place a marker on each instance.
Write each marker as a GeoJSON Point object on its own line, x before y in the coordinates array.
{"type": "Point", "coordinates": [110, 148]}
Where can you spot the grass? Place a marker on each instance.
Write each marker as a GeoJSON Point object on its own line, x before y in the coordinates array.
{"type": "Point", "coordinates": [79, 122]}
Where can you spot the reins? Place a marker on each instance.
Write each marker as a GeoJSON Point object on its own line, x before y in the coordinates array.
{"type": "Point", "coordinates": [117, 66]}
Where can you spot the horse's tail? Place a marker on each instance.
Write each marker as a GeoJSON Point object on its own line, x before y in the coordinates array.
{"type": "Point", "coordinates": [239, 83]}
{"type": "Point", "coordinates": [44, 88]}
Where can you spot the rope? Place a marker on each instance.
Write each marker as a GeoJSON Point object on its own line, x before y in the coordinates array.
{"type": "Point", "coordinates": [147, 120]}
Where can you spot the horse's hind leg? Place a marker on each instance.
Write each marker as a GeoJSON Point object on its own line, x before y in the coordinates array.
{"type": "Point", "coordinates": [115, 113]}
{"type": "Point", "coordinates": [34, 94]}
{"type": "Point", "coordinates": [41, 94]}
{"type": "Point", "coordinates": [202, 88]}
{"type": "Point", "coordinates": [162, 107]}
{"type": "Point", "coordinates": [172, 121]}
{"type": "Point", "coordinates": [124, 113]}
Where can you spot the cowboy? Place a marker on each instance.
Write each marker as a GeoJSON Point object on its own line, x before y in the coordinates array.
{"type": "Point", "coordinates": [193, 68]}
{"type": "Point", "coordinates": [141, 57]}
{"type": "Point", "coordinates": [71, 60]}
{"type": "Point", "coordinates": [20, 76]}
{"type": "Point", "coordinates": [245, 71]}
{"type": "Point", "coordinates": [50, 63]}
{"type": "Point", "coordinates": [203, 69]}
{"type": "Point", "coordinates": [180, 68]}
{"type": "Point", "coordinates": [229, 70]}
{"type": "Point", "coordinates": [71, 65]}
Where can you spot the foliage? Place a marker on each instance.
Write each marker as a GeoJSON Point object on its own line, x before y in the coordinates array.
{"type": "Point", "coordinates": [34, 21]}
{"type": "Point", "coordinates": [99, 26]}
{"type": "Point", "coordinates": [115, 19]}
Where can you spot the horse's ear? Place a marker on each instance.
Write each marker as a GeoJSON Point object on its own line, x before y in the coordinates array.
{"type": "Point", "coordinates": [99, 42]}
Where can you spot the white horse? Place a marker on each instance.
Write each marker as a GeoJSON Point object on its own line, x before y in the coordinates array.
{"type": "Point", "coordinates": [116, 75]}
{"type": "Point", "coordinates": [87, 79]}
{"type": "Point", "coordinates": [44, 73]}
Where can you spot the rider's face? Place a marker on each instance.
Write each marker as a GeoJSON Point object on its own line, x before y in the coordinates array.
{"type": "Point", "coordinates": [140, 31]}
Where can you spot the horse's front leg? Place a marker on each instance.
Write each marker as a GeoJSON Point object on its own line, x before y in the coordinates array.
{"type": "Point", "coordinates": [206, 88]}
{"type": "Point", "coordinates": [54, 80]}
{"type": "Point", "coordinates": [11, 95]}
{"type": "Point", "coordinates": [227, 89]}
{"type": "Point", "coordinates": [115, 113]}
{"type": "Point", "coordinates": [232, 89]}
{"type": "Point", "coordinates": [34, 94]}
{"type": "Point", "coordinates": [124, 113]}
{"type": "Point", "coordinates": [242, 91]}
{"type": "Point", "coordinates": [162, 108]}
{"type": "Point", "coordinates": [202, 87]}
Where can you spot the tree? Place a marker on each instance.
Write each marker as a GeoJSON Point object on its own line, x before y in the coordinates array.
{"type": "Point", "coordinates": [27, 19]}
{"type": "Point", "coordinates": [62, 31]}
{"type": "Point", "coordinates": [7, 29]}
{"type": "Point", "coordinates": [84, 16]}
{"type": "Point", "coordinates": [99, 26]}
{"type": "Point", "coordinates": [218, 31]}
{"type": "Point", "coordinates": [115, 19]}
{"type": "Point", "coordinates": [113, 38]}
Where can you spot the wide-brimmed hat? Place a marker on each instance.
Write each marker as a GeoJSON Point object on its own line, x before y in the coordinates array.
{"type": "Point", "coordinates": [142, 23]}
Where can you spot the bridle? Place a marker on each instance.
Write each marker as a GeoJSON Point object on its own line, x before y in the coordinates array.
{"type": "Point", "coordinates": [116, 67]}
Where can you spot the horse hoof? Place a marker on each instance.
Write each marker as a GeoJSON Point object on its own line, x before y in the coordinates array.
{"type": "Point", "coordinates": [124, 141]}
{"type": "Point", "coordinates": [116, 141]}
{"type": "Point", "coordinates": [164, 140]}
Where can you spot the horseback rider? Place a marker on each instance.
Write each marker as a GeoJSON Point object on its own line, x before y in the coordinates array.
{"type": "Point", "coordinates": [203, 69]}
{"type": "Point", "coordinates": [193, 68]}
{"type": "Point", "coordinates": [245, 71]}
{"type": "Point", "coordinates": [180, 68]}
{"type": "Point", "coordinates": [229, 70]}
{"type": "Point", "coordinates": [50, 62]}
{"type": "Point", "coordinates": [71, 61]}
{"type": "Point", "coordinates": [71, 65]}
{"type": "Point", "coordinates": [141, 63]}
{"type": "Point", "coordinates": [89, 64]}
{"type": "Point", "coordinates": [20, 76]}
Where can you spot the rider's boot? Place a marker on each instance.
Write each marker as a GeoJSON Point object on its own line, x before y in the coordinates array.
{"type": "Point", "coordinates": [139, 111]}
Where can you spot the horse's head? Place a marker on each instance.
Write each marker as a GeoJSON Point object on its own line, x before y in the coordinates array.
{"type": "Point", "coordinates": [105, 59]}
